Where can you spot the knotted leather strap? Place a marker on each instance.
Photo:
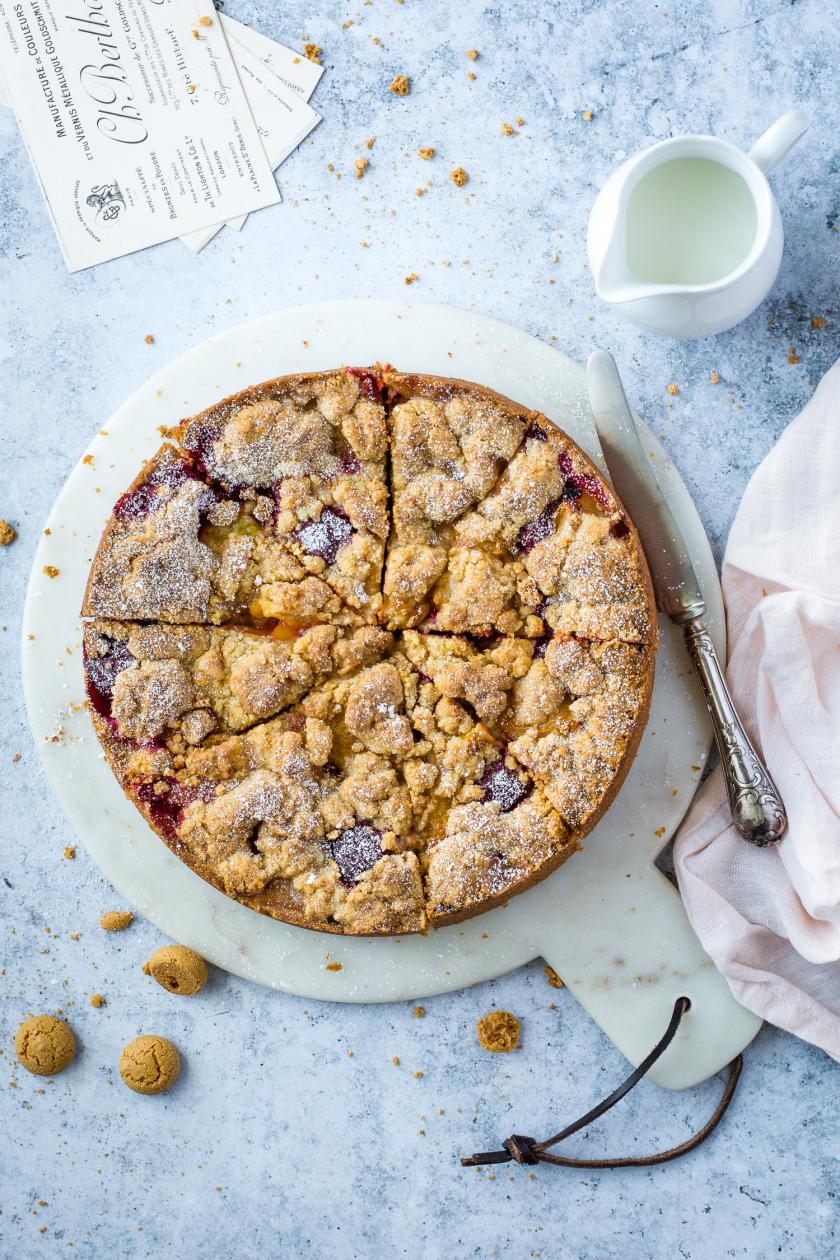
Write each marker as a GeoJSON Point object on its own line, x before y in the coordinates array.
{"type": "Point", "coordinates": [525, 1150]}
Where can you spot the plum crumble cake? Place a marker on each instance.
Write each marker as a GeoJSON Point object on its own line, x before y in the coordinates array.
{"type": "Point", "coordinates": [370, 651]}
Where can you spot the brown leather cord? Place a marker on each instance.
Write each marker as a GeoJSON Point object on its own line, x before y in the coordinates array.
{"type": "Point", "coordinates": [525, 1150]}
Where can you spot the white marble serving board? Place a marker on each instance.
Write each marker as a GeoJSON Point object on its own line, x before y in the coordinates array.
{"type": "Point", "coordinates": [607, 921]}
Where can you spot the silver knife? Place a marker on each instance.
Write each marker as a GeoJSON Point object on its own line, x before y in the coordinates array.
{"type": "Point", "coordinates": [757, 809]}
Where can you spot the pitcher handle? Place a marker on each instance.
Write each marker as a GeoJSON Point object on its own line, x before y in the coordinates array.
{"type": "Point", "coordinates": [778, 140]}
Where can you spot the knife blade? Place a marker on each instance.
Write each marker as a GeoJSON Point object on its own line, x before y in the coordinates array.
{"type": "Point", "coordinates": [675, 582]}
{"type": "Point", "coordinates": [754, 800]}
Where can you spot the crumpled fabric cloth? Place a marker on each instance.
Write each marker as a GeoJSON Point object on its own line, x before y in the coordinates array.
{"type": "Point", "coordinates": [770, 918]}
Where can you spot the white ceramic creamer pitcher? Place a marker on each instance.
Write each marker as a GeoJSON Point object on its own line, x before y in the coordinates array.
{"type": "Point", "coordinates": [685, 238]}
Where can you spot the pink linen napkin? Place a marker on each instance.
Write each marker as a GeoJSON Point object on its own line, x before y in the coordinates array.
{"type": "Point", "coordinates": [770, 918]}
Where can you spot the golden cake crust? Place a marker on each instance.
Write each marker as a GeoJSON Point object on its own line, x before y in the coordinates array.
{"type": "Point", "coordinates": [371, 651]}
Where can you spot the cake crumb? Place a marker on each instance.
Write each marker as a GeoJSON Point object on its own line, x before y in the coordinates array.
{"type": "Point", "coordinates": [553, 978]}
{"type": "Point", "coordinates": [472, 53]}
{"type": "Point", "coordinates": [75, 936]}
{"type": "Point", "coordinates": [673, 390]}
{"type": "Point", "coordinates": [370, 142]}
{"type": "Point", "coordinates": [411, 279]}
{"type": "Point", "coordinates": [334, 966]}
{"type": "Point", "coordinates": [116, 920]}
{"type": "Point", "coordinates": [69, 853]}
{"type": "Point", "coordinates": [520, 122]}
{"type": "Point", "coordinates": [418, 1075]}
{"type": "Point", "coordinates": [714, 377]}
{"type": "Point", "coordinates": [89, 460]}
{"type": "Point", "coordinates": [420, 192]}
{"type": "Point", "coordinates": [498, 1032]}
{"type": "Point", "coordinates": [426, 154]}
{"type": "Point", "coordinates": [588, 115]}
{"type": "Point", "coordinates": [817, 321]}
{"type": "Point", "coordinates": [507, 130]}
{"type": "Point", "coordinates": [396, 1060]}
{"type": "Point", "coordinates": [16, 758]}
{"type": "Point", "coordinates": [205, 21]}
{"type": "Point", "coordinates": [7, 534]}
{"type": "Point", "coordinates": [361, 164]}
{"type": "Point", "coordinates": [793, 357]}
{"type": "Point", "coordinates": [97, 1000]}
{"type": "Point", "coordinates": [149, 338]}
{"type": "Point", "coordinates": [470, 74]}
{"type": "Point", "coordinates": [51, 571]}
{"type": "Point", "coordinates": [400, 85]}
{"type": "Point", "coordinates": [419, 1012]}
{"type": "Point", "coordinates": [459, 176]}
{"type": "Point", "coordinates": [313, 53]}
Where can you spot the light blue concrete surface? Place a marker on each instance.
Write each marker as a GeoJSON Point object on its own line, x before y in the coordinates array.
{"type": "Point", "coordinates": [294, 1109]}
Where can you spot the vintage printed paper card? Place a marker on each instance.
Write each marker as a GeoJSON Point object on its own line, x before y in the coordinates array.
{"type": "Point", "coordinates": [135, 119]}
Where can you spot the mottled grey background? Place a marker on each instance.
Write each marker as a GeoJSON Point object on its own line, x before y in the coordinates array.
{"type": "Point", "coordinates": [294, 1109]}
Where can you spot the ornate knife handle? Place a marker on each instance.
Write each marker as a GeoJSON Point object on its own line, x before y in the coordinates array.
{"type": "Point", "coordinates": [754, 799]}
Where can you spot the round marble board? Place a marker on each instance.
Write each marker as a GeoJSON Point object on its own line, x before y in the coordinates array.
{"type": "Point", "coordinates": [608, 921]}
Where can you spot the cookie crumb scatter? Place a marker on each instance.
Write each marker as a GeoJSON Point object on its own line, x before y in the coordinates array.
{"type": "Point", "coordinates": [334, 966]}
{"type": "Point", "coordinates": [361, 164]}
{"type": "Point", "coordinates": [498, 1032]}
{"type": "Point", "coordinates": [205, 21]}
{"type": "Point", "coordinates": [418, 1075]}
{"type": "Point", "coordinates": [459, 176]}
{"type": "Point", "coordinates": [673, 390]}
{"type": "Point", "coordinates": [412, 278]}
{"type": "Point", "coordinates": [116, 920]}
{"type": "Point", "coordinates": [420, 192]}
{"type": "Point", "coordinates": [313, 53]}
{"type": "Point", "coordinates": [817, 321]}
{"type": "Point", "coordinates": [149, 339]}
{"type": "Point", "coordinates": [588, 115]}
{"type": "Point", "coordinates": [45, 1045]}
{"type": "Point", "coordinates": [7, 534]}
{"type": "Point", "coordinates": [660, 831]}
{"type": "Point", "coordinates": [714, 377]}
{"type": "Point", "coordinates": [89, 460]}
{"type": "Point", "coordinates": [793, 357]}
{"type": "Point", "coordinates": [419, 1012]}
{"type": "Point", "coordinates": [177, 969]}
{"type": "Point", "coordinates": [520, 122]}
{"type": "Point", "coordinates": [149, 1065]}
{"type": "Point", "coordinates": [75, 936]}
{"type": "Point", "coordinates": [69, 853]}
{"type": "Point", "coordinates": [51, 571]}
{"type": "Point", "coordinates": [400, 85]}
{"type": "Point", "coordinates": [472, 53]}
{"type": "Point", "coordinates": [553, 978]}
{"type": "Point", "coordinates": [507, 130]}
{"type": "Point", "coordinates": [470, 74]}
{"type": "Point", "coordinates": [15, 760]}
{"type": "Point", "coordinates": [396, 1060]}
{"type": "Point", "coordinates": [97, 1000]}
{"type": "Point", "coordinates": [370, 142]}
{"type": "Point", "coordinates": [426, 154]}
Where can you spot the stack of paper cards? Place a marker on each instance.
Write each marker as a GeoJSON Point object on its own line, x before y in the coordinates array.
{"type": "Point", "coordinates": [148, 121]}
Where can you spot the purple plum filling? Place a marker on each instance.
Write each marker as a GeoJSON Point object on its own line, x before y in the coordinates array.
{"type": "Point", "coordinates": [583, 482]}
{"type": "Point", "coordinates": [325, 536]}
{"type": "Point", "coordinates": [101, 674]}
{"type": "Point", "coordinates": [503, 786]}
{"type": "Point", "coordinates": [166, 808]}
{"type": "Point", "coordinates": [202, 439]}
{"type": "Point", "coordinates": [355, 851]}
{"type": "Point", "coordinates": [370, 385]}
{"type": "Point", "coordinates": [619, 529]}
{"type": "Point", "coordinates": [537, 530]}
{"type": "Point", "coordinates": [535, 433]}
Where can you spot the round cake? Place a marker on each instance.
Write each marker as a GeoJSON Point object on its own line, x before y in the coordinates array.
{"type": "Point", "coordinates": [370, 651]}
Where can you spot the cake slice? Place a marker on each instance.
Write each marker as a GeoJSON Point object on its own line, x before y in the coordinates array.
{"type": "Point", "coordinates": [273, 504]}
